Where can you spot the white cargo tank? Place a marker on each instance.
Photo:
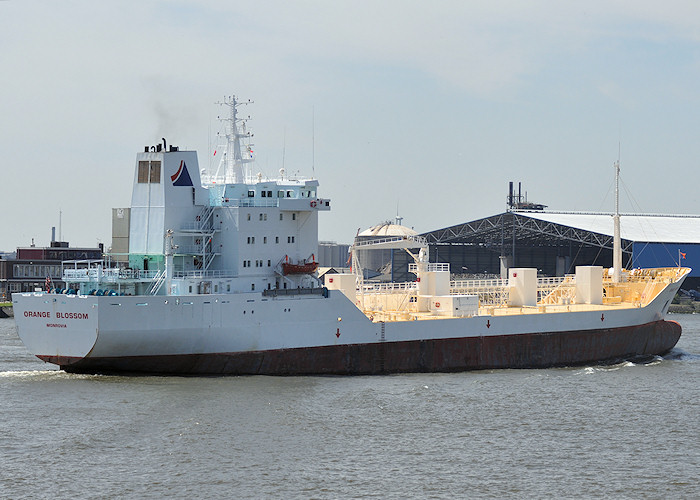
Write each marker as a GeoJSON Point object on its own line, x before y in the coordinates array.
{"type": "Point", "coordinates": [522, 287]}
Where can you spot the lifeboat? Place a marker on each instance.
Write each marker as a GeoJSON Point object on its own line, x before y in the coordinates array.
{"type": "Point", "coordinates": [301, 268]}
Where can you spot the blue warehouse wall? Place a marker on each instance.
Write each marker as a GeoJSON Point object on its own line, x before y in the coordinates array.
{"type": "Point", "coordinates": [666, 255]}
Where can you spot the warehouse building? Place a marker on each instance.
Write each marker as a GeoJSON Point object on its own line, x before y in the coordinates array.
{"type": "Point", "coordinates": [556, 242]}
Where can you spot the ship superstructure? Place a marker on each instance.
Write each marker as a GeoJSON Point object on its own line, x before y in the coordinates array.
{"type": "Point", "coordinates": [230, 231]}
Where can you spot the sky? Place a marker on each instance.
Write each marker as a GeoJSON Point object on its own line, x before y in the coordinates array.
{"type": "Point", "coordinates": [425, 109]}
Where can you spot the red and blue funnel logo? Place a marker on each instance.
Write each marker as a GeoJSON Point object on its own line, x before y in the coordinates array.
{"type": "Point", "coordinates": [182, 176]}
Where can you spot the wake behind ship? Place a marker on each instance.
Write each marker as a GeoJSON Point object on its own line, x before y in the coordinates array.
{"type": "Point", "coordinates": [221, 278]}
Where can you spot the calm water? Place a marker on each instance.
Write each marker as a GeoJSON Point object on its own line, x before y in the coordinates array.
{"type": "Point", "coordinates": [624, 431]}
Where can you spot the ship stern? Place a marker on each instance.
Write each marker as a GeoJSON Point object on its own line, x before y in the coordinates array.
{"type": "Point", "coordinates": [58, 329]}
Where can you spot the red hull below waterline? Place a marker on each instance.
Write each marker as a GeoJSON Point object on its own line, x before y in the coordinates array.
{"type": "Point", "coordinates": [531, 350]}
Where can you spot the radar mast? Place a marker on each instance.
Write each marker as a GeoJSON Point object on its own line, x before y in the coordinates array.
{"type": "Point", "coordinates": [237, 153]}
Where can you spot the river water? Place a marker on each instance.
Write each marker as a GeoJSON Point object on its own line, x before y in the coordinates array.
{"type": "Point", "coordinates": [622, 431]}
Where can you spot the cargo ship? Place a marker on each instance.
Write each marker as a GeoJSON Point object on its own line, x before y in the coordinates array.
{"type": "Point", "coordinates": [220, 278]}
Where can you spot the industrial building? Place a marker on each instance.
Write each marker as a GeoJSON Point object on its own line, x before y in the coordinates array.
{"type": "Point", "coordinates": [378, 259]}
{"type": "Point", "coordinates": [556, 242]}
{"type": "Point", "coordinates": [33, 265]}
{"type": "Point", "coordinates": [332, 254]}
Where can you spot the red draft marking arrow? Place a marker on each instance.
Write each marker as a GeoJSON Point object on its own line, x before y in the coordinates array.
{"type": "Point", "coordinates": [602, 317]}
{"type": "Point", "coordinates": [488, 323]}
{"type": "Point", "coordinates": [337, 333]}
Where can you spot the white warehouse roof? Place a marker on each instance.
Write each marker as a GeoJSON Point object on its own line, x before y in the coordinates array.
{"type": "Point", "coordinates": [641, 228]}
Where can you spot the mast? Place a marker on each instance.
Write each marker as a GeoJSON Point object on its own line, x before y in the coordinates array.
{"type": "Point", "coordinates": [237, 154]}
{"type": "Point", "coordinates": [617, 244]}
{"type": "Point", "coordinates": [169, 268]}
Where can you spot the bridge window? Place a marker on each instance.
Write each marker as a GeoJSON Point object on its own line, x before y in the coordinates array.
{"type": "Point", "coordinates": [143, 172]}
{"type": "Point", "coordinates": [149, 171]}
{"type": "Point", "coordinates": [251, 194]}
{"type": "Point", "coordinates": [155, 172]}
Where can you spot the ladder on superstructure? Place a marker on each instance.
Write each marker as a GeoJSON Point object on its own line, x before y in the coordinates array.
{"type": "Point", "coordinates": [203, 233]}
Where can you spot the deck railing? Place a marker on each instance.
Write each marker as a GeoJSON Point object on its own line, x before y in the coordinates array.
{"type": "Point", "coordinates": [382, 288]}
{"type": "Point", "coordinates": [200, 273]}
{"type": "Point", "coordinates": [419, 241]}
{"type": "Point", "coordinates": [491, 292]}
{"type": "Point", "coordinates": [109, 275]}
{"type": "Point", "coordinates": [431, 267]}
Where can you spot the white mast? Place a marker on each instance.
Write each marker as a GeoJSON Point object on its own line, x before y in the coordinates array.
{"type": "Point", "coordinates": [617, 244]}
{"type": "Point", "coordinates": [169, 268]}
{"type": "Point", "coordinates": [236, 156]}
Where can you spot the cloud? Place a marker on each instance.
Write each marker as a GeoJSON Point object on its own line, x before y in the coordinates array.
{"type": "Point", "coordinates": [86, 84]}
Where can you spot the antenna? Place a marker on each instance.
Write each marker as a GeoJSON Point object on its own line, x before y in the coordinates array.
{"type": "Point", "coordinates": [313, 142]}
{"type": "Point", "coordinates": [284, 145]}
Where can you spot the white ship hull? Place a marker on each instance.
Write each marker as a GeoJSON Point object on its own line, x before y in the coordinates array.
{"type": "Point", "coordinates": [249, 333]}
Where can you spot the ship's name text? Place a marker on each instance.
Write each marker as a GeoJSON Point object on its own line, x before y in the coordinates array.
{"type": "Point", "coordinates": [59, 315]}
